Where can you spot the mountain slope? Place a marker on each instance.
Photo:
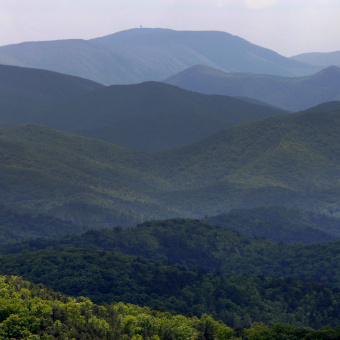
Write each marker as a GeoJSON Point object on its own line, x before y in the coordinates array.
{"type": "Point", "coordinates": [288, 160]}
{"type": "Point", "coordinates": [18, 226]}
{"type": "Point", "coordinates": [293, 94]}
{"type": "Point", "coordinates": [198, 243]}
{"type": "Point", "coordinates": [72, 177]}
{"type": "Point", "coordinates": [138, 55]}
{"type": "Point", "coordinates": [320, 59]}
{"type": "Point", "coordinates": [111, 277]}
{"type": "Point", "coordinates": [151, 116]}
{"type": "Point", "coordinates": [292, 159]}
{"type": "Point", "coordinates": [27, 94]}
{"type": "Point", "coordinates": [280, 224]}
{"type": "Point", "coordinates": [43, 86]}
{"type": "Point", "coordinates": [30, 311]}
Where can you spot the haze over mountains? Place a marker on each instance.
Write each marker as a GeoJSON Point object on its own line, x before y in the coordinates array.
{"type": "Point", "coordinates": [191, 203]}
{"type": "Point", "coordinates": [138, 55]}
{"type": "Point", "coordinates": [149, 116]}
{"type": "Point", "coordinates": [287, 159]}
{"type": "Point", "coordinates": [289, 93]}
{"type": "Point", "coordinates": [319, 59]}
{"type": "Point", "coordinates": [152, 116]}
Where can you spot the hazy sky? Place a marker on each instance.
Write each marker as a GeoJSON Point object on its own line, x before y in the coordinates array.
{"type": "Point", "coordinates": [288, 27]}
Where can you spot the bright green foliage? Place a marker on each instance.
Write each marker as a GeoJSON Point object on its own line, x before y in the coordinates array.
{"type": "Point", "coordinates": [236, 300]}
{"type": "Point", "coordinates": [35, 312]}
{"type": "Point", "coordinates": [32, 312]}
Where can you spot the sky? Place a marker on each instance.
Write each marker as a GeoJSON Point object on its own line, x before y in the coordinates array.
{"type": "Point", "coordinates": [289, 27]}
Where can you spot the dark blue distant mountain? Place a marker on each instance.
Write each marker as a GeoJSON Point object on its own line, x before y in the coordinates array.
{"type": "Point", "coordinates": [319, 59]}
{"type": "Point", "coordinates": [289, 93]}
{"type": "Point", "coordinates": [138, 55]}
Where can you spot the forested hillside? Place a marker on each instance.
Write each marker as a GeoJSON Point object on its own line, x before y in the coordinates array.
{"type": "Point", "coordinates": [151, 116]}
{"type": "Point", "coordinates": [280, 224]}
{"type": "Point", "coordinates": [289, 93]}
{"type": "Point", "coordinates": [18, 226]}
{"type": "Point", "coordinates": [193, 243]}
{"type": "Point", "coordinates": [280, 160]}
{"type": "Point", "coordinates": [43, 86]}
{"type": "Point", "coordinates": [36, 312]}
{"type": "Point", "coordinates": [141, 210]}
{"type": "Point", "coordinates": [236, 300]}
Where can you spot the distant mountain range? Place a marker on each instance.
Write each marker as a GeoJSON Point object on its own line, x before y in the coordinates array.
{"type": "Point", "coordinates": [41, 86]}
{"type": "Point", "coordinates": [149, 116]}
{"type": "Point", "coordinates": [319, 59]}
{"type": "Point", "coordinates": [289, 93]}
{"type": "Point", "coordinates": [138, 55]}
{"type": "Point", "coordinates": [289, 159]}
{"type": "Point", "coordinates": [26, 94]}
{"type": "Point", "coordinates": [152, 116]}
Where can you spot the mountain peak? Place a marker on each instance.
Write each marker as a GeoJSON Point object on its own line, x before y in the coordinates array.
{"type": "Point", "coordinates": [141, 54]}
{"type": "Point", "coordinates": [330, 76]}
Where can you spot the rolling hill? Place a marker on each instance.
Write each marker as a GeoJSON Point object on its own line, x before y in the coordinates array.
{"type": "Point", "coordinates": [151, 116]}
{"type": "Point", "coordinates": [290, 159]}
{"type": "Point", "coordinates": [43, 86]}
{"type": "Point", "coordinates": [290, 93]}
{"type": "Point", "coordinates": [138, 55]}
{"type": "Point", "coordinates": [74, 177]}
{"type": "Point", "coordinates": [319, 58]}
{"type": "Point", "coordinates": [280, 224]}
{"type": "Point", "coordinates": [27, 94]}
{"type": "Point", "coordinates": [285, 151]}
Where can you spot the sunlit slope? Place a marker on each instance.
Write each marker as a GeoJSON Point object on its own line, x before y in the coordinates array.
{"type": "Point", "coordinates": [289, 160]}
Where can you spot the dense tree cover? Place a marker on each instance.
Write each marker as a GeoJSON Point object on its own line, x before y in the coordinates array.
{"type": "Point", "coordinates": [196, 243]}
{"type": "Point", "coordinates": [35, 312]}
{"type": "Point", "coordinates": [281, 160]}
{"type": "Point", "coordinates": [17, 226]}
{"type": "Point", "coordinates": [236, 300]}
{"type": "Point", "coordinates": [72, 177]}
{"type": "Point", "coordinates": [152, 116]}
{"type": "Point", "coordinates": [41, 86]}
{"type": "Point", "coordinates": [280, 224]}
{"type": "Point", "coordinates": [29, 311]}
{"type": "Point", "coordinates": [293, 216]}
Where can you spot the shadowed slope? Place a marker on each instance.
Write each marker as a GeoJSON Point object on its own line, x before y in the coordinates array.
{"type": "Point", "coordinates": [289, 93]}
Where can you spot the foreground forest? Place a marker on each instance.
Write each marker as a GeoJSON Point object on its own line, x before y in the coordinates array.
{"type": "Point", "coordinates": [35, 312]}
{"type": "Point", "coordinates": [190, 266]}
